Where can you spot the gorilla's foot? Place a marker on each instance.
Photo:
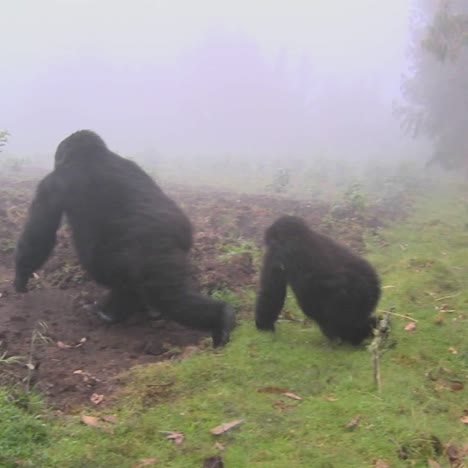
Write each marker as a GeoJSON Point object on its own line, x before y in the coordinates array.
{"type": "Point", "coordinates": [109, 317]}
{"type": "Point", "coordinates": [265, 326]}
{"type": "Point", "coordinates": [228, 322]}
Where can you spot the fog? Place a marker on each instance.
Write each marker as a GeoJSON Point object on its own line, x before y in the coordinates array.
{"type": "Point", "coordinates": [206, 79]}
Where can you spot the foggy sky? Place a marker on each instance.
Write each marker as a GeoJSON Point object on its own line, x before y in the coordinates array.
{"type": "Point", "coordinates": [200, 78]}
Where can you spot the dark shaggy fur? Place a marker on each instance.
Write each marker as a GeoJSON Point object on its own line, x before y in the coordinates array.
{"type": "Point", "coordinates": [332, 285]}
{"type": "Point", "coordinates": [129, 236]}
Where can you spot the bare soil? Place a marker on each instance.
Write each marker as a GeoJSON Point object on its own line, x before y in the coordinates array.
{"type": "Point", "coordinates": [75, 357]}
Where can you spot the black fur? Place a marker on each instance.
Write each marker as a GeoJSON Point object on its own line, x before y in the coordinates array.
{"type": "Point", "coordinates": [129, 236]}
{"type": "Point", "coordinates": [332, 285]}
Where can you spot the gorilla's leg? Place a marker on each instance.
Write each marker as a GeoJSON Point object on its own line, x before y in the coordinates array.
{"type": "Point", "coordinates": [165, 288]}
{"type": "Point", "coordinates": [119, 305]}
{"type": "Point", "coordinates": [196, 311]}
{"type": "Point", "coordinates": [271, 294]}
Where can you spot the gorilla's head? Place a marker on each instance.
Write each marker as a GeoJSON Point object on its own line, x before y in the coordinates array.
{"type": "Point", "coordinates": [81, 145]}
{"type": "Point", "coordinates": [286, 229]}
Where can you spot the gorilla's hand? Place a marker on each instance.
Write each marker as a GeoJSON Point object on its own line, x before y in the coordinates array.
{"type": "Point", "coordinates": [21, 282]}
{"type": "Point", "coordinates": [222, 335]}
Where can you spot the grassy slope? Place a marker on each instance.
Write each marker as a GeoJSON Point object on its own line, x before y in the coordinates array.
{"type": "Point", "coordinates": [426, 260]}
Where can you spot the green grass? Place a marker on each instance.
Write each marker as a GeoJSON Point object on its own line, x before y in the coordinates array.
{"type": "Point", "coordinates": [426, 259]}
{"type": "Point", "coordinates": [240, 246]}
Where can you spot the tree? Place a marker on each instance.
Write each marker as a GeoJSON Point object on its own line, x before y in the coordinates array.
{"type": "Point", "coordinates": [447, 36]}
{"type": "Point", "coordinates": [436, 92]}
{"type": "Point", "coordinates": [3, 138]}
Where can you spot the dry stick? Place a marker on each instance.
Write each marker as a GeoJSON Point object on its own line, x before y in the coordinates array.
{"type": "Point", "coordinates": [447, 297]}
{"type": "Point", "coordinates": [29, 365]}
{"type": "Point", "coordinates": [376, 347]}
{"type": "Point", "coordinates": [397, 315]}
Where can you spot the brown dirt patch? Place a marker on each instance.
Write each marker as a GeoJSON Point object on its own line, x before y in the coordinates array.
{"type": "Point", "coordinates": [64, 298]}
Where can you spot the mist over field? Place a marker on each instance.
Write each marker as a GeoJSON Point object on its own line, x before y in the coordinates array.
{"type": "Point", "coordinates": [207, 80]}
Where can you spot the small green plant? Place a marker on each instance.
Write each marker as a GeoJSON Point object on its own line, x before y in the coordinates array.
{"type": "Point", "coordinates": [6, 360]}
{"type": "Point", "coordinates": [281, 181]}
{"type": "Point", "coordinates": [7, 245]}
{"type": "Point", "coordinates": [15, 164]}
{"type": "Point", "coordinates": [353, 202]}
{"type": "Point", "coordinates": [38, 337]}
{"type": "Point", "coordinates": [225, 294]}
{"type": "Point", "coordinates": [355, 196]}
{"type": "Point", "coordinates": [240, 247]}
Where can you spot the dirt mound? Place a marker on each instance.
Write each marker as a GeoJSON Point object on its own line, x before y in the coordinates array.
{"type": "Point", "coordinates": [74, 355]}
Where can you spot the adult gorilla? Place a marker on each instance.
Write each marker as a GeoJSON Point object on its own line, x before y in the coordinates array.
{"type": "Point", "coordinates": [129, 235]}
{"type": "Point", "coordinates": [333, 286]}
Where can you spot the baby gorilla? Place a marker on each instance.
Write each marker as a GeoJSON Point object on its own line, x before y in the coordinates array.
{"type": "Point", "coordinates": [129, 235]}
{"type": "Point", "coordinates": [333, 286]}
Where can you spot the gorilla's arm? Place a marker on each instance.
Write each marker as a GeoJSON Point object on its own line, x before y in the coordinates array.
{"type": "Point", "coordinates": [272, 292]}
{"type": "Point", "coordinates": [39, 234]}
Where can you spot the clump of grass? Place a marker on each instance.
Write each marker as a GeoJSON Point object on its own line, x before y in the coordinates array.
{"type": "Point", "coordinates": [238, 247]}
{"type": "Point", "coordinates": [23, 430]}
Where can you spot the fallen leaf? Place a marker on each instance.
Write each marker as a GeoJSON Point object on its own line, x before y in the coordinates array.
{"type": "Point", "coordinates": [439, 319]}
{"type": "Point", "coordinates": [453, 454]}
{"type": "Point", "coordinates": [329, 398]}
{"type": "Point", "coordinates": [219, 445]}
{"type": "Point", "coordinates": [410, 326]}
{"type": "Point", "coordinates": [110, 419]}
{"type": "Point", "coordinates": [456, 386]}
{"type": "Point", "coordinates": [272, 390]}
{"type": "Point", "coordinates": [432, 464]}
{"type": "Point", "coordinates": [81, 342]}
{"type": "Point", "coordinates": [222, 428]}
{"type": "Point", "coordinates": [96, 398]}
{"type": "Point", "coordinates": [292, 395]}
{"type": "Point", "coordinates": [282, 391]}
{"type": "Point", "coordinates": [381, 464]}
{"type": "Point", "coordinates": [62, 345]}
{"type": "Point", "coordinates": [353, 423]}
{"type": "Point", "coordinates": [452, 350]}
{"type": "Point", "coordinates": [145, 462]}
{"type": "Point", "coordinates": [94, 422]}
{"type": "Point", "coordinates": [281, 405]}
{"type": "Point", "coordinates": [90, 421]}
{"type": "Point", "coordinates": [177, 437]}
{"type": "Point", "coordinates": [213, 462]}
